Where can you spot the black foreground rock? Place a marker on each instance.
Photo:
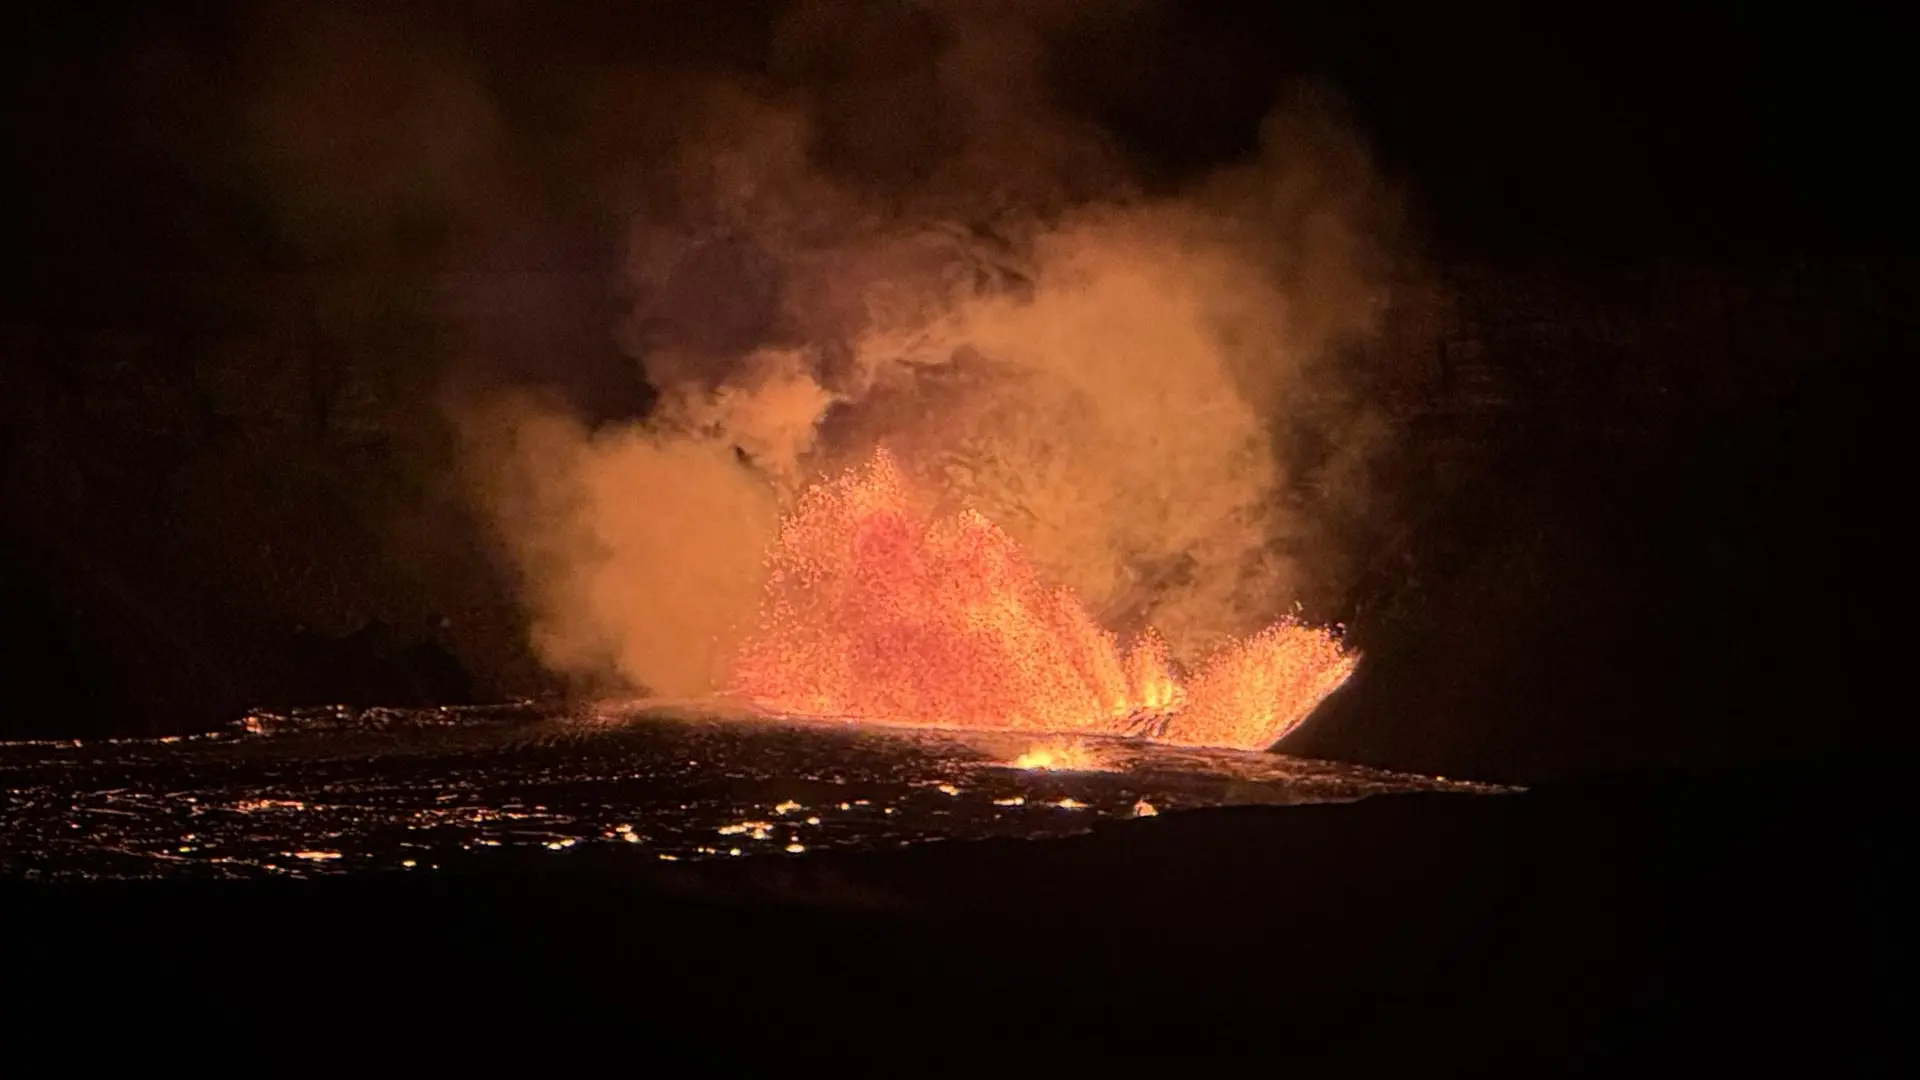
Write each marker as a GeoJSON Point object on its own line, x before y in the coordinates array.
{"type": "Point", "coordinates": [1611, 925]}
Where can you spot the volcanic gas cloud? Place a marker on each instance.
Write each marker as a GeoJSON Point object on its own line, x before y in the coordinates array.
{"type": "Point", "coordinates": [968, 430]}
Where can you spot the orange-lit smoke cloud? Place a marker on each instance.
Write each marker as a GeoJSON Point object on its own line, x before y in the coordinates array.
{"type": "Point", "coordinates": [1104, 374]}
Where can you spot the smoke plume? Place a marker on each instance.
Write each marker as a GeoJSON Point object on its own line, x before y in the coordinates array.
{"type": "Point", "coordinates": [918, 250]}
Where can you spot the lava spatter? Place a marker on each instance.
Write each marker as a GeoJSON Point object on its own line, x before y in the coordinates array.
{"type": "Point", "coordinates": [878, 610]}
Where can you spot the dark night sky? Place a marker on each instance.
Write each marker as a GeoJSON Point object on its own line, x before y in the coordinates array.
{"type": "Point", "coordinates": [1604, 129]}
{"type": "Point", "coordinates": [1592, 128]}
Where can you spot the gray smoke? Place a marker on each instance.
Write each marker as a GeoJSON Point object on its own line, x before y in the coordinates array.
{"type": "Point", "coordinates": [922, 252]}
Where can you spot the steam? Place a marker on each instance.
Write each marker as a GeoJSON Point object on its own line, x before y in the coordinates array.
{"type": "Point", "coordinates": [944, 266]}
{"type": "Point", "coordinates": [638, 549]}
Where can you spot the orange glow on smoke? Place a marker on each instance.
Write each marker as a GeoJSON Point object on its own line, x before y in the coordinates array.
{"type": "Point", "coordinates": [878, 610]}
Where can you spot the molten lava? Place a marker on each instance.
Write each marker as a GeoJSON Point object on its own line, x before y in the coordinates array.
{"type": "Point", "coordinates": [878, 610]}
{"type": "Point", "coordinates": [1063, 757]}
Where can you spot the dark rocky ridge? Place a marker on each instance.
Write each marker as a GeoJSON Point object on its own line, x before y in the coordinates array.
{"type": "Point", "coordinates": [1641, 510]}
{"type": "Point", "coordinates": [1590, 928]}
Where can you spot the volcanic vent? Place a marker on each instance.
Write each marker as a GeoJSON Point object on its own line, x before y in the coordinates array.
{"type": "Point", "coordinates": [878, 610]}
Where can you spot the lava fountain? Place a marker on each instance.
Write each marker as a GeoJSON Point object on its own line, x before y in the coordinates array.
{"type": "Point", "coordinates": [878, 610]}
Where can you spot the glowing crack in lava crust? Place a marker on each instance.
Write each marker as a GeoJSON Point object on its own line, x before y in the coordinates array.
{"type": "Point", "coordinates": [878, 610]}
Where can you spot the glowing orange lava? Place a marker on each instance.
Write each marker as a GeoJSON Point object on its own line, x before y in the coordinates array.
{"type": "Point", "coordinates": [877, 610]}
{"type": "Point", "coordinates": [1063, 757]}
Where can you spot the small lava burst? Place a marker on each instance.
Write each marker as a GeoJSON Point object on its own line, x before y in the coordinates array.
{"type": "Point", "coordinates": [254, 806]}
{"type": "Point", "coordinates": [1143, 808]}
{"type": "Point", "coordinates": [756, 830]}
{"type": "Point", "coordinates": [1058, 758]}
{"type": "Point", "coordinates": [878, 610]}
